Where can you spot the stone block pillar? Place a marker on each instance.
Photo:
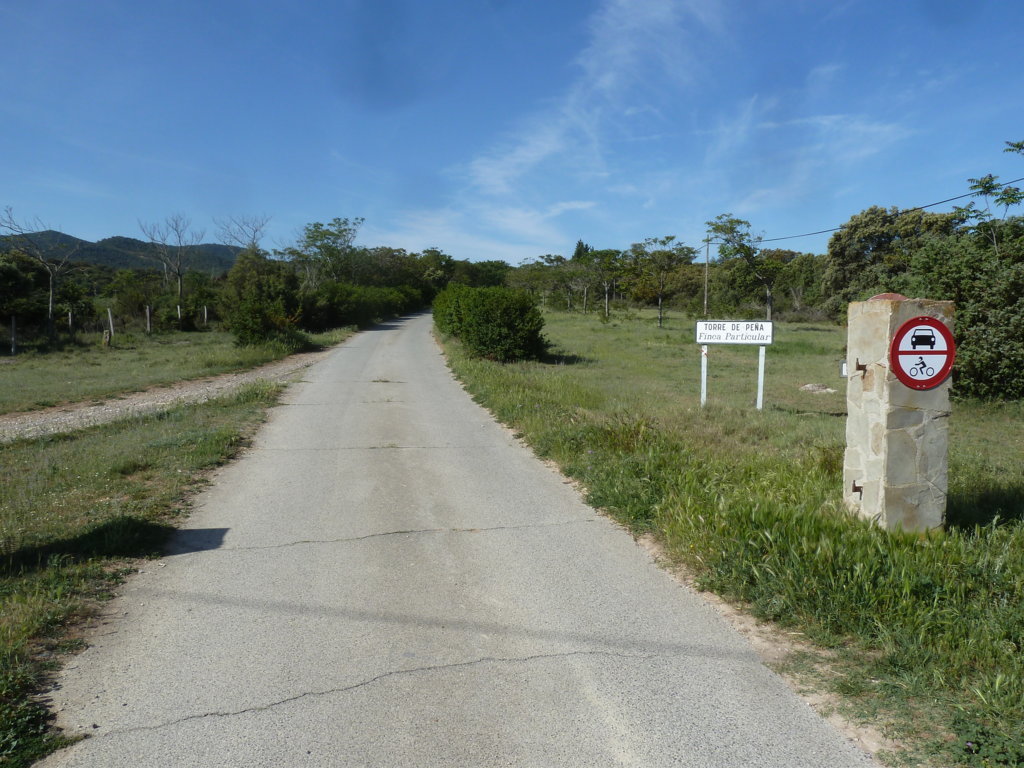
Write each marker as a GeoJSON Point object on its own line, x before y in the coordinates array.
{"type": "Point", "coordinates": [896, 462]}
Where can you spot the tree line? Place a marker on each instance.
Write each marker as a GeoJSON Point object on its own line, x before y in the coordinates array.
{"type": "Point", "coordinates": [323, 280]}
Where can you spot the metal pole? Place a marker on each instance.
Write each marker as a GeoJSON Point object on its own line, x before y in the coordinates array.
{"type": "Point", "coordinates": [703, 374]}
{"type": "Point", "coordinates": [760, 378]}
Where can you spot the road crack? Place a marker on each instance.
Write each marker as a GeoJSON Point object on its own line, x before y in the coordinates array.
{"type": "Point", "coordinates": [484, 660]}
{"type": "Point", "coordinates": [384, 534]}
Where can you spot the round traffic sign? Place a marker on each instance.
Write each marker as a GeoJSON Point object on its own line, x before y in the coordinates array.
{"type": "Point", "coordinates": [922, 353]}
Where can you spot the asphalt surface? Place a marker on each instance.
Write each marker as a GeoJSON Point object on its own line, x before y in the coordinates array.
{"type": "Point", "coordinates": [389, 579]}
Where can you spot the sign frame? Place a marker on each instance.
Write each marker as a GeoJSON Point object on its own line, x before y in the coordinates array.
{"type": "Point", "coordinates": [749, 332]}
{"type": "Point", "coordinates": [759, 332]}
{"type": "Point", "coordinates": [923, 331]}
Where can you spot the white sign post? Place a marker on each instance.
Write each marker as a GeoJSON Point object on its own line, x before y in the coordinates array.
{"type": "Point", "coordinates": [758, 332]}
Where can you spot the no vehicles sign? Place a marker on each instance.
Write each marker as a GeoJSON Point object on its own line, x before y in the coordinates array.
{"type": "Point", "coordinates": [922, 353]}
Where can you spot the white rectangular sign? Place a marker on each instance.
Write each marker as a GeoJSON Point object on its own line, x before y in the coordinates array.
{"type": "Point", "coordinates": [734, 332]}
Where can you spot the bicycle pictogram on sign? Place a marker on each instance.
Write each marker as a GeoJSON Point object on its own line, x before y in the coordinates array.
{"type": "Point", "coordinates": [922, 353]}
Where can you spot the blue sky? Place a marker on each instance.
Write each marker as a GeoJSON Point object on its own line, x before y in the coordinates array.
{"type": "Point", "coordinates": [500, 128]}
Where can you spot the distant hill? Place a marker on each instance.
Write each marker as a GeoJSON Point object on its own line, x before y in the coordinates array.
{"type": "Point", "coordinates": [129, 253]}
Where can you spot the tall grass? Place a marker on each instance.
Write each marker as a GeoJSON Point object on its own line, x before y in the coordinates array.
{"type": "Point", "coordinates": [929, 628]}
{"type": "Point", "coordinates": [74, 510]}
{"type": "Point", "coordinates": [87, 370]}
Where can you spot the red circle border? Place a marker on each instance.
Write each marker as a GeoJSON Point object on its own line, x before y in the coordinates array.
{"type": "Point", "coordinates": [950, 352]}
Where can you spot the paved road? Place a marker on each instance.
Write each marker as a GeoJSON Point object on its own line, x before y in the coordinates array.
{"type": "Point", "coordinates": [389, 579]}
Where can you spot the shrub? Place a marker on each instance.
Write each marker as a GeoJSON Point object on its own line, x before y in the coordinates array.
{"type": "Point", "coordinates": [448, 309]}
{"type": "Point", "coordinates": [497, 323]}
{"type": "Point", "coordinates": [987, 287]}
{"type": "Point", "coordinates": [260, 302]}
{"type": "Point", "coordinates": [336, 304]}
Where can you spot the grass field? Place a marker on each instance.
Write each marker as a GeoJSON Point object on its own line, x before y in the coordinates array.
{"type": "Point", "coordinates": [925, 633]}
{"type": "Point", "coordinates": [89, 371]}
{"type": "Point", "coordinates": [75, 510]}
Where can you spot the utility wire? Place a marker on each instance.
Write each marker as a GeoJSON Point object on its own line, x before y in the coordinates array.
{"type": "Point", "coordinates": [899, 213]}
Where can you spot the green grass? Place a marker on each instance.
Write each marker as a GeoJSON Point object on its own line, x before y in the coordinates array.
{"type": "Point", "coordinates": [74, 511]}
{"type": "Point", "coordinates": [88, 371]}
{"type": "Point", "coordinates": [927, 632]}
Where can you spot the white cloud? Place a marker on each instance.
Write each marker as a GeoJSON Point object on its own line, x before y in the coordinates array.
{"type": "Point", "coordinates": [631, 43]}
{"type": "Point", "coordinates": [484, 232]}
{"type": "Point", "coordinates": [495, 173]}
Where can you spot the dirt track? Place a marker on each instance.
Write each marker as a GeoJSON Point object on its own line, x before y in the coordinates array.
{"type": "Point", "coordinates": [67, 418]}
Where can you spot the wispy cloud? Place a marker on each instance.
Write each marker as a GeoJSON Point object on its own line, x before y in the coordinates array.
{"type": "Point", "coordinates": [483, 231]}
{"type": "Point", "coordinates": [453, 231]}
{"type": "Point", "coordinates": [631, 43]}
{"type": "Point", "coordinates": [495, 173]}
{"type": "Point", "coordinates": [794, 155]}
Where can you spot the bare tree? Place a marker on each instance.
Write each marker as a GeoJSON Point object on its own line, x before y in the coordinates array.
{"type": "Point", "coordinates": [174, 244]}
{"type": "Point", "coordinates": [244, 231]}
{"type": "Point", "coordinates": [25, 237]}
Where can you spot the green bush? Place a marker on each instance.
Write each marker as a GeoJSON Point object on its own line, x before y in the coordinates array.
{"type": "Point", "coordinates": [987, 286]}
{"type": "Point", "coordinates": [497, 323]}
{"type": "Point", "coordinates": [260, 302]}
{"type": "Point", "coordinates": [336, 304]}
{"type": "Point", "coordinates": [448, 309]}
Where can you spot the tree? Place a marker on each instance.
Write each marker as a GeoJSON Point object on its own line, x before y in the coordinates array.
{"type": "Point", "coordinates": [801, 280]}
{"type": "Point", "coordinates": [174, 243]}
{"type": "Point", "coordinates": [560, 276]}
{"type": "Point", "coordinates": [657, 258]}
{"type": "Point", "coordinates": [53, 254]}
{"type": "Point", "coordinates": [605, 267]}
{"type": "Point", "coordinates": [260, 301]}
{"type": "Point", "coordinates": [134, 289]}
{"type": "Point", "coordinates": [436, 268]}
{"type": "Point", "coordinates": [21, 292]}
{"type": "Point", "coordinates": [245, 232]}
{"type": "Point", "coordinates": [871, 253]}
{"type": "Point", "coordinates": [326, 252]}
{"type": "Point", "coordinates": [1003, 195]}
{"type": "Point", "coordinates": [738, 244]}
{"type": "Point", "coordinates": [481, 274]}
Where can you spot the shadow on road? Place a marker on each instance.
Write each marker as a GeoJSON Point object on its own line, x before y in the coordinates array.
{"type": "Point", "coordinates": [627, 644]}
{"type": "Point", "coordinates": [190, 540]}
{"type": "Point", "coordinates": [123, 536]}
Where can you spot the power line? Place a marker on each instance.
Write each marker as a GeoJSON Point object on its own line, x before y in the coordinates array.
{"type": "Point", "coordinates": [899, 213]}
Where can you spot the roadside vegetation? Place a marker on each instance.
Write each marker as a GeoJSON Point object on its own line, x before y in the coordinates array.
{"type": "Point", "coordinates": [922, 634]}
{"type": "Point", "coordinates": [76, 512]}
{"type": "Point", "coordinates": [497, 323]}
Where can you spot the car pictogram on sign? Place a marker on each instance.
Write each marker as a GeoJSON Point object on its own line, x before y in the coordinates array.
{"type": "Point", "coordinates": [922, 337]}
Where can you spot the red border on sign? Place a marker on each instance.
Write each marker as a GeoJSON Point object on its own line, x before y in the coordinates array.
{"type": "Point", "coordinates": [895, 353]}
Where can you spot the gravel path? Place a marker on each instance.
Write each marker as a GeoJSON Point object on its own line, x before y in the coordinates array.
{"type": "Point", "coordinates": [67, 418]}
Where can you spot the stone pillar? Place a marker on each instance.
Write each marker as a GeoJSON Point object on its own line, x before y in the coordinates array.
{"type": "Point", "coordinates": [895, 467]}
